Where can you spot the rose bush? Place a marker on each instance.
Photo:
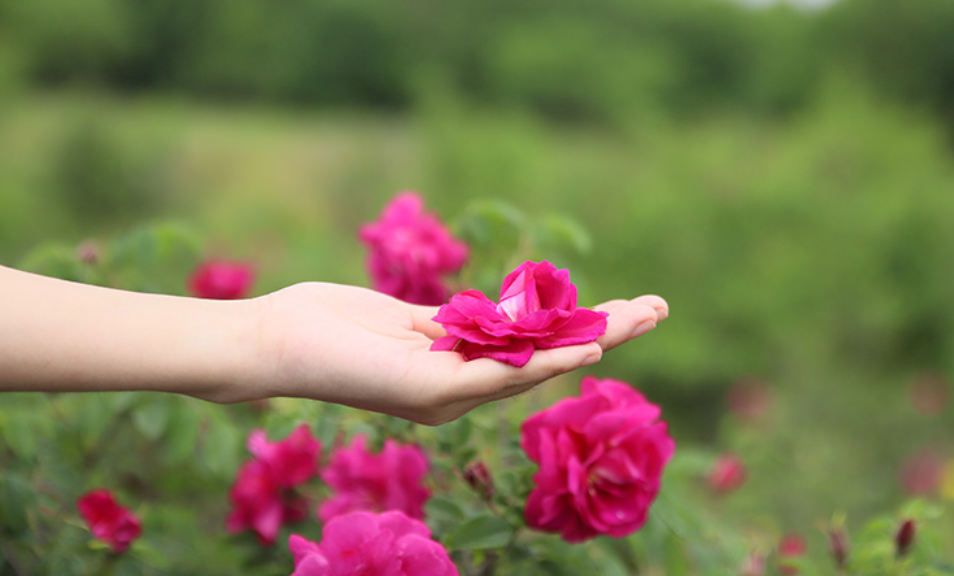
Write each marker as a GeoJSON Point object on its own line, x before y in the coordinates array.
{"type": "Point", "coordinates": [537, 310]}
{"type": "Point", "coordinates": [411, 251]}
{"type": "Point", "coordinates": [361, 543]}
{"type": "Point", "coordinates": [108, 521]}
{"type": "Point", "coordinates": [601, 457]}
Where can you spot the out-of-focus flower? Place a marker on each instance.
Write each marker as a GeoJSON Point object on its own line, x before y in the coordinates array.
{"type": "Point", "coordinates": [904, 537]}
{"type": "Point", "coordinates": [478, 477]}
{"type": "Point", "coordinates": [537, 310]}
{"type": "Point", "coordinates": [362, 543]}
{"type": "Point", "coordinates": [929, 393]}
{"type": "Point", "coordinates": [221, 280]}
{"type": "Point", "coordinates": [290, 462]}
{"type": "Point", "coordinates": [838, 545]}
{"type": "Point", "coordinates": [107, 520]}
{"type": "Point", "coordinates": [792, 546]}
{"type": "Point", "coordinates": [748, 399]}
{"type": "Point", "coordinates": [390, 480]}
{"type": "Point", "coordinates": [88, 252]}
{"type": "Point", "coordinates": [920, 473]}
{"type": "Point", "coordinates": [601, 456]}
{"type": "Point", "coordinates": [263, 497]}
{"type": "Point", "coordinates": [411, 251]}
{"type": "Point", "coordinates": [727, 474]}
{"type": "Point", "coordinates": [754, 565]}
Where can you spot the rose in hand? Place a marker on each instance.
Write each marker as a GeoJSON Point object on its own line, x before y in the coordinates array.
{"type": "Point", "coordinates": [537, 310]}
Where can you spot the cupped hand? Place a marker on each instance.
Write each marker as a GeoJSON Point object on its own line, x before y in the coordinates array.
{"type": "Point", "coordinates": [360, 348]}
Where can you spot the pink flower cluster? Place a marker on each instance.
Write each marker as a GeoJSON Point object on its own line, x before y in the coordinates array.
{"type": "Point", "coordinates": [262, 497]}
{"type": "Point", "coordinates": [537, 310]}
{"type": "Point", "coordinates": [601, 456]}
{"type": "Point", "coordinates": [411, 251]}
{"type": "Point", "coordinates": [107, 520]}
{"type": "Point", "coordinates": [388, 544]}
{"type": "Point", "coordinates": [390, 480]}
{"type": "Point", "coordinates": [221, 280]}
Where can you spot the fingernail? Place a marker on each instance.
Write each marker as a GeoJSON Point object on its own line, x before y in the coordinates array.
{"type": "Point", "coordinates": [643, 328]}
{"type": "Point", "coordinates": [591, 359]}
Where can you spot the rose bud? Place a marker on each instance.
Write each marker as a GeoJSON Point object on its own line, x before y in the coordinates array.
{"type": "Point", "coordinates": [478, 477]}
{"type": "Point", "coordinates": [904, 537]}
{"type": "Point", "coordinates": [838, 545]}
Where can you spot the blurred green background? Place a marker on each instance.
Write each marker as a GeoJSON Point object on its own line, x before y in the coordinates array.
{"type": "Point", "coordinates": [783, 176]}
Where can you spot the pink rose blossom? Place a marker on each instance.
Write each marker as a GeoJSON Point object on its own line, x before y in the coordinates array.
{"type": "Point", "coordinates": [727, 474]}
{"type": "Point", "coordinates": [263, 499]}
{"type": "Point", "coordinates": [362, 543]}
{"type": "Point", "coordinates": [221, 280]}
{"type": "Point", "coordinates": [390, 480]}
{"type": "Point", "coordinates": [601, 456]}
{"type": "Point", "coordinates": [411, 251]}
{"type": "Point", "coordinates": [537, 310]}
{"type": "Point", "coordinates": [107, 520]}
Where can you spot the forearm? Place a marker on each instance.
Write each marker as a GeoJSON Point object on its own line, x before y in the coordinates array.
{"type": "Point", "coordinates": [62, 336]}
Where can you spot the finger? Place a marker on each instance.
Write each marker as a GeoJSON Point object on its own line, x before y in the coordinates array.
{"type": "Point", "coordinates": [421, 321]}
{"type": "Point", "coordinates": [492, 380]}
{"type": "Point", "coordinates": [655, 302]}
{"type": "Point", "coordinates": [626, 320]}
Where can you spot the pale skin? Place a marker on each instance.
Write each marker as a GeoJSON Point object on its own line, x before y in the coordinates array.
{"type": "Point", "coordinates": [326, 342]}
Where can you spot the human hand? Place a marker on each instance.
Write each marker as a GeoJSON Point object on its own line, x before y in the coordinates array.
{"type": "Point", "coordinates": [360, 348]}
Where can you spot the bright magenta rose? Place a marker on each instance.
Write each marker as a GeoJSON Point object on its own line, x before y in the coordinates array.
{"type": "Point", "coordinates": [263, 499]}
{"type": "Point", "coordinates": [107, 520]}
{"type": "Point", "coordinates": [361, 543]}
{"type": "Point", "coordinates": [601, 456]}
{"type": "Point", "coordinates": [221, 280]}
{"type": "Point", "coordinates": [537, 309]}
{"type": "Point", "coordinates": [390, 480]}
{"type": "Point", "coordinates": [411, 251]}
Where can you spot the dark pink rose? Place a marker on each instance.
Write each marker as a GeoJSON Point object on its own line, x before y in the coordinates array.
{"type": "Point", "coordinates": [727, 474]}
{"type": "Point", "coordinates": [411, 251]}
{"type": "Point", "coordinates": [390, 480]}
{"type": "Point", "coordinates": [362, 543]}
{"type": "Point", "coordinates": [221, 280]}
{"type": "Point", "coordinates": [263, 496]}
{"type": "Point", "coordinates": [107, 520]}
{"type": "Point", "coordinates": [601, 456]}
{"type": "Point", "coordinates": [537, 310]}
{"type": "Point", "coordinates": [792, 546]}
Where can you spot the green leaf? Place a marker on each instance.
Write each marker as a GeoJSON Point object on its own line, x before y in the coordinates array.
{"type": "Point", "coordinates": [151, 417]}
{"type": "Point", "coordinates": [557, 232]}
{"type": "Point", "coordinates": [16, 497]}
{"type": "Point", "coordinates": [221, 445]}
{"type": "Point", "coordinates": [443, 509]}
{"type": "Point", "coordinates": [183, 432]}
{"type": "Point", "coordinates": [480, 533]}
